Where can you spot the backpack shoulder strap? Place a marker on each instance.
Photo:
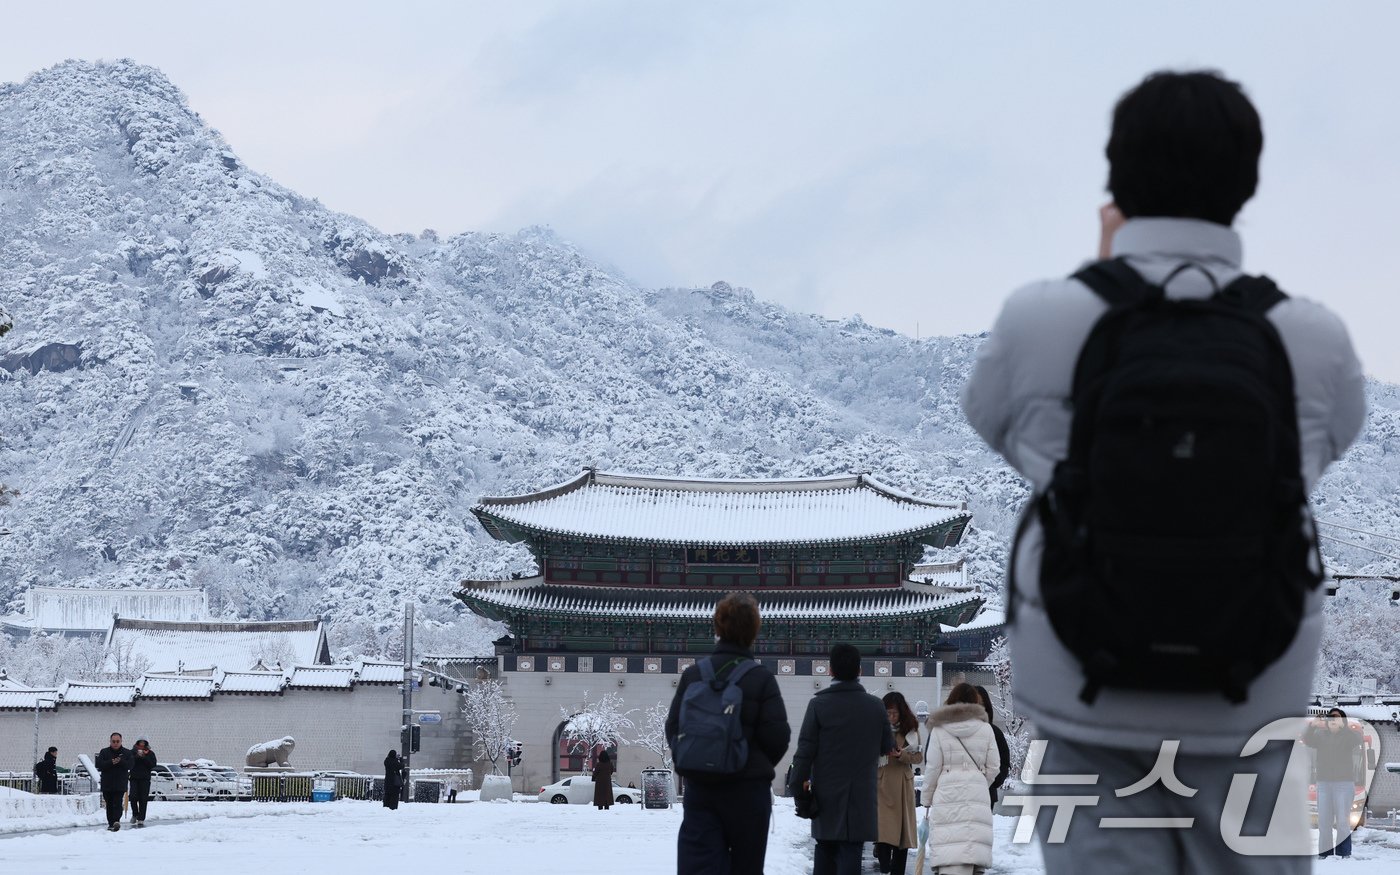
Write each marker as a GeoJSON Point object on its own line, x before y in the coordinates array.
{"type": "Point", "coordinates": [1116, 282]}
{"type": "Point", "coordinates": [1258, 294]}
{"type": "Point", "coordinates": [742, 669]}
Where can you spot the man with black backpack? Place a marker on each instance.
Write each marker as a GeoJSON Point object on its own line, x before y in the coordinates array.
{"type": "Point", "coordinates": [727, 729]}
{"type": "Point", "coordinates": [1172, 415]}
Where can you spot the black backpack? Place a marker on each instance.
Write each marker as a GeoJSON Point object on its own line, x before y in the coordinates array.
{"type": "Point", "coordinates": [1179, 545]}
{"type": "Point", "coordinates": [710, 731]}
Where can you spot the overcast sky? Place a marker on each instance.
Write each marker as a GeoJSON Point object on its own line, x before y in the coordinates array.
{"type": "Point", "coordinates": [911, 162]}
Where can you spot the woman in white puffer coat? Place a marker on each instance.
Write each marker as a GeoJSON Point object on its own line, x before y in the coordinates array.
{"type": "Point", "coordinates": [960, 763]}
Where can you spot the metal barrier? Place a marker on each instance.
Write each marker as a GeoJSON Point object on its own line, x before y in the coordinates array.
{"type": "Point", "coordinates": [283, 788]}
{"type": "Point", "coordinates": [427, 791]}
{"type": "Point", "coordinates": [16, 781]}
{"type": "Point", "coordinates": [356, 787]}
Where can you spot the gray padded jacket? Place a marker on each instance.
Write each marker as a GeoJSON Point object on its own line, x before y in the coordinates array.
{"type": "Point", "coordinates": [1018, 401]}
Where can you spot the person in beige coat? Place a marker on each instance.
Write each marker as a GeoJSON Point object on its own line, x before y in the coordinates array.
{"type": "Point", "coordinates": [895, 785]}
{"type": "Point", "coordinates": [962, 761]}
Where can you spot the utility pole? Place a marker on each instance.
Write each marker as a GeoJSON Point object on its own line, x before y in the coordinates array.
{"type": "Point", "coordinates": [406, 729]}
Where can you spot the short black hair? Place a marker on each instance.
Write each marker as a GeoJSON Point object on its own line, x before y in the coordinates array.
{"type": "Point", "coordinates": [845, 662]}
{"type": "Point", "coordinates": [53, 750]}
{"type": "Point", "coordinates": [1184, 145]}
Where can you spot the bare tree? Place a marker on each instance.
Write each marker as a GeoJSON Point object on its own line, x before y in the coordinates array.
{"type": "Point", "coordinates": [601, 723]}
{"type": "Point", "coordinates": [651, 733]}
{"type": "Point", "coordinates": [491, 718]}
{"type": "Point", "coordinates": [1017, 732]}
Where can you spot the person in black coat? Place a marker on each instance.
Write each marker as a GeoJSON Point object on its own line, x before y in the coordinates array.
{"type": "Point", "coordinates": [724, 826]}
{"type": "Point", "coordinates": [393, 780]}
{"type": "Point", "coordinates": [143, 760]}
{"type": "Point", "coordinates": [844, 733]}
{"type": "Point", "coordinates": [114, 764]}
{"type": "Point", "coordinates": [1003, 749]}
{"type": "Point", "coordinates": [46, 770]}
{"type": "Point", "coordinates": [602, 782]}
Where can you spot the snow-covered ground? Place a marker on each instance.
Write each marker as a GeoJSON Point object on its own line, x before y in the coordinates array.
{"type": "Point", "coordinates": [357, 837]}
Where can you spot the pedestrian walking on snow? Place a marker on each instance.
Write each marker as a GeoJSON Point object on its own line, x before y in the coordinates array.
{"type": "Point", "coordinates": [896, 788]}
{"type": "Point", "coordinates": [844, 733]}
{"type": "Point", "coordinates": [143, 760]}
{"type": "Point", "coordinates": [724, 827]}
{"type": "Point", "coordinates": [1003, 749]}
{"type": "Point", "coordinates": [114, 765]}
{"type": "Point", "coordinates": [1339, 750]}
{"type": "Point", "coordinates": [962, 763]}
{"type": "Point", "coordinates": [602, 782]}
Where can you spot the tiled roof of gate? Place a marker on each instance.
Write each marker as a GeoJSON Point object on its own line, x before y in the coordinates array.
{"type": "Point", "coordinates": [380, 673]}
{"type": "Point", "coordinates": [661, 604]}
{"type": "Point", "coordinates": [626, 507]}
{"type": "Point", "coordinates": [252, 682]}
{"type": "Point", "coordinates": [167, 687]}
{"type": "Point", "coordinates": [76, 692]}
{"type": "Point", "coordinates": [13, 698]}
{"type": "Point", "coordinates": [333, 677]}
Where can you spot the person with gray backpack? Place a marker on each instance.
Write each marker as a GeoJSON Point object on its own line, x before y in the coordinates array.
{"type": "Point", "coordinates": [727, 729]}
{"type": "Point", "coordinates": [1172, 415]}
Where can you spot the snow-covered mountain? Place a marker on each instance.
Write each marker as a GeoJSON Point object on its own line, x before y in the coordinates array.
{"type": "Point", "coordinates": [213, 380]}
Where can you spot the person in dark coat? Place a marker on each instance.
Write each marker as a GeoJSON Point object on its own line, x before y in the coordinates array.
{"type": "Point", "coordinates": [602, 782]}
{"type": "Point", "coordinates": [143, 759]}
{"type": "Point", "coordinates": [393, 780]}
{"type": "Point", "coordinates": [1339, 757]}
{"type": "Point", "coordinates": [844, 733]}
{"type": "Point", "coordinates": [46, 770]}
{"type": "Point", "coordinates": [1003, 749]}
{"type": "Point", "coordinates": [724, 827]}
{"type": "Point", "coordinates": [114, 765]}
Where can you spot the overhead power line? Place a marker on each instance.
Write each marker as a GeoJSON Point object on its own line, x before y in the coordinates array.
{"type": "Point", "coordinates": [1333, 525]}
{"type": "Point", "coordinates": [1359, 547]}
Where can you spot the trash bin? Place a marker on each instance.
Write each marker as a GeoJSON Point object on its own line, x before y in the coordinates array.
{"type": "Point", "coordinates": [658, 790]}
{"type": "Point", "coordinates": [427, 791]}
{"type": "Point", "coordinates": [322, 795]}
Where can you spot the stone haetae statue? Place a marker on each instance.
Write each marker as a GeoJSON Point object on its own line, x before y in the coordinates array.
{"type": "Point", "coordinates": [271, 753]}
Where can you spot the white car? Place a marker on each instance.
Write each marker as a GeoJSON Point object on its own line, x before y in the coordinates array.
{"type": "Point", "coordinates": [213, 784]}
{"type": "Point", "coordinates": [169, 782]}
{"type": "Point", "coordinates": [578, 790]}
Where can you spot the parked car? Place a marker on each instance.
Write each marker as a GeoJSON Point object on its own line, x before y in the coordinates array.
{"type": "Point", "coordinates": [170, 783]}
{"type": "Point", "coordinates": [212, 784]}
{"type": "Point", "coordinates": [578, 790]}
{"type": "Point", "coordinates": [243, 783]}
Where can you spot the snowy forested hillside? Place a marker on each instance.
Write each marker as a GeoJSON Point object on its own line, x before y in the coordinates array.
{"type": "Point", "coordinates": [212, 380]}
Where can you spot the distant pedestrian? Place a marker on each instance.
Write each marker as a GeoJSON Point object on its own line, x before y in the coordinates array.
{"type": "Point", "coordinates": [896, 788]}
{"type": "Point", "coordinates": [602, 782]}
{"type": "Point", "coordinates": [962, 763]}
{"type": "Point", "coordinates": [1339, 749]}
{"type": "Point", "coordinates": [114, 764]}
{"type": "Point", "coordinates": [726, 814]}
{"type": "Point", "coordinates": [46, 770]}
{"type": "Point", "coordinates": [844, 733]}
{"type": "Point", "coordinates": [1003, 749]}
{"type": "Point", "coordinates": [143, 760]}
{"type": "Point", "coordinates": [393, 778]}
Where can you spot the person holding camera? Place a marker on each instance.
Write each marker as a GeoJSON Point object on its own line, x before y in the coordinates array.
{"type": "Point", "coordinates": [1338, 749]}
{"type": "Point", "coordinates": [143, 760]}
{"type": "Point", "coordinates": [114, 764]}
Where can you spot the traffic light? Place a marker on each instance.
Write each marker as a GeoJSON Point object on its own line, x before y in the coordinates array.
{"type": "Point", "coordinates": [409, 738]}
{"type": "Point", "coordinates": [417, 737]}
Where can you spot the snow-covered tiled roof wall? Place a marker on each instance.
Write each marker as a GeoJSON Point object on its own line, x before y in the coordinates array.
{"type": "Point", "coordinates": [24, 699]}
{"type": "Point", "coordinates": [714, 512]}
{"type": "Point", "coordinates": [252, 682]}
{"type": "Point", "coordinates": [325, 677]}
{"type": "Point", "coordinates": [381, 673]}
{"type": "Point", "coordinates": [75, 692]}
{"type": "Point", "coordinates": [989, 617]}
{"type": "Point", "coordinates": [229, 646]}
{"type": "Point", "coordinates": [56, 607]}
{"type": "Point", "coordinates": [577, 601]}
{"type": "Point", "coordinates": [165, 687]}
